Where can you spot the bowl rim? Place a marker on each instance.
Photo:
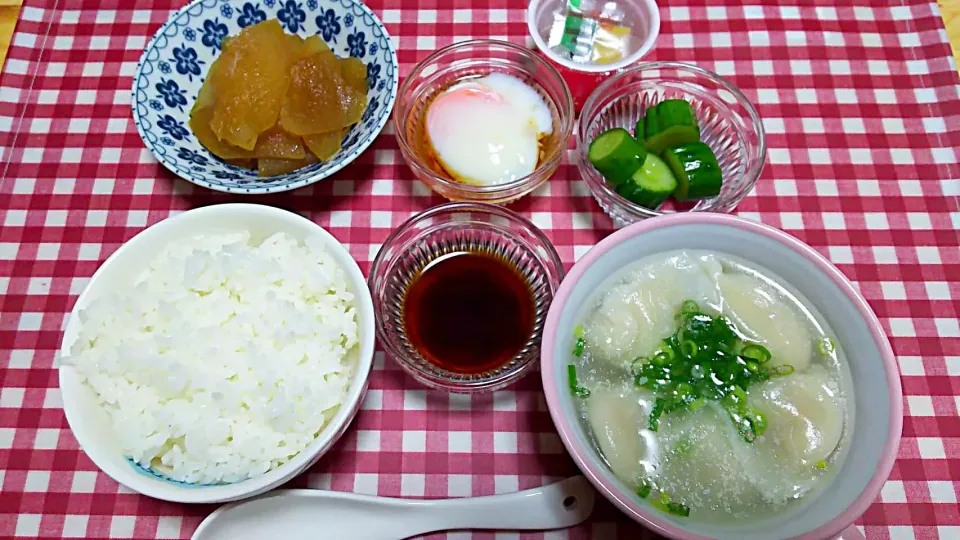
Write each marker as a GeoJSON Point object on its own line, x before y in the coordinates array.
{"type": "Point", "coordinates": [593, 470]}
{"type": "Point", "coordinates": [259, 188]}
{"type": "Point", "coordinates": [399, 356]}
{"type": "Point", "coordinates": [356, 392]}
{"type": "Point", "coordinates": [752, 171]}
{"type": "Point", "coordinates": [468, 191]}
{"type": "Point", "coordinates": [645, 47]}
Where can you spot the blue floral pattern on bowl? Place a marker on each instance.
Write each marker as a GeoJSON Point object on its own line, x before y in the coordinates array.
{"type": "Point", "coordinates": [291, 16]}
{"type": "Point", "coordinates": [251, 14]}
{"type": "Point", "coordinates": [357, 44]}
{"type": "Point", "coordinates": [329, 24]}
{"type": "Point", "coordinates": [213, 33]}
{"type": "Point", "coordinates": [175, 63]}
{"type": "Point", "coordinates": [170, 93]}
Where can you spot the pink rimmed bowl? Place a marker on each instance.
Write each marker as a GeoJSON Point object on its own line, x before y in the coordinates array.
{"type": "Point", "coordinates": [877, 403]}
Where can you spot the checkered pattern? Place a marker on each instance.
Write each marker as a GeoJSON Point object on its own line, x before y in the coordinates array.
{"type": "Point", "coordinates": [862, 111]}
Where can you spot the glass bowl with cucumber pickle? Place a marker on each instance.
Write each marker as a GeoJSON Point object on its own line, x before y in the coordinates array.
{"type": "Point", "coordinates": [665, 137]}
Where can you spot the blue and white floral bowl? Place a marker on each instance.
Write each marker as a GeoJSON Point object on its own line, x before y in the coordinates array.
{"type": "Point", "coordinates": [176, 61]}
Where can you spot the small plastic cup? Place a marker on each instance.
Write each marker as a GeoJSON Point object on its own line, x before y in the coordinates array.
{"type": "Point", "coordinates": [643, 18]}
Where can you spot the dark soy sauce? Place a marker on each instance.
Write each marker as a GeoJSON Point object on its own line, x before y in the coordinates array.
{"type": "Point", "coordinates": [468, 312]}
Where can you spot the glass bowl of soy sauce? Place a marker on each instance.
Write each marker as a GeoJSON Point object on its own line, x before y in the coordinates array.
{"type": "Point", "coordinates": [460, 294]}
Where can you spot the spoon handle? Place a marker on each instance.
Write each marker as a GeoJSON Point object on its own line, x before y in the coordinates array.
{"type": "Point", "coordinates": [562, 504]}
{"type": "Point", "coordinates": [307, 514]}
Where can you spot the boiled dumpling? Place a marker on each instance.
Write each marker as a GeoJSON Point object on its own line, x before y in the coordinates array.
{"type": "Point", "coordinates": [804, 415]}
{"type": "Point", "coordinates": [635, 316]}
{"type": "Point", "coordinates": [697, 467]}
{"type": "Point", "coordinates": [805, 421]}
{"type": "Point", "coordinates": [617, 420]}
{"type": "Point", "coordinates": [761, 316]}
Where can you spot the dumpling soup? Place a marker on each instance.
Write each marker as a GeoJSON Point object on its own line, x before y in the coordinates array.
{"type": "Point", "coordinates": [710, 387]}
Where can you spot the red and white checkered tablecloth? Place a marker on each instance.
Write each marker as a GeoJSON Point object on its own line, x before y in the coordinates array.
{"type": "Point", "coordinates": [862, 113]}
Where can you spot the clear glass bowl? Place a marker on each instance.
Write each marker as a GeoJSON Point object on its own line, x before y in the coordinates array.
{"type": "Point", "coordinates": [729, 124]}
{"type": "Point", "coordinates": [451, 228]}
{"type": "Point", "coordinates": [468, 60]}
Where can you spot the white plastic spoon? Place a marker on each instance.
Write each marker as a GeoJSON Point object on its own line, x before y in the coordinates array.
{"type": "Point", "coordinates": [310, 514]}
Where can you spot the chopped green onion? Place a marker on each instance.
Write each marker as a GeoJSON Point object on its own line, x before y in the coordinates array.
{"type": "Point", "coordinates": [683, 448]}
{"type": "Point", "coordinates": [643, 491]}
{"type": "Point", "coordinates": [825, 347]}
{"type": "Point", "coordinates": [654, 422]}
{"type": "Point", "coordinates": [756, 352]}
{"type": "Point", "coordinates": [743, 426]}
{"type": "Point", "coordinates": [575, 387]}
{"type": "Point", "coordinates": [758, 422]}
{"type": "Point", "coordinates": [781, 371]}
{"type": "Point", "coordinates": [689, 308]}
{"type": "Point", "coordinates": [660, 359]}
{"type": "Point", "coordinates": [706, 360]}
{"type": "Point", "coordinates": [736, 399]}
{"type": "Point", "coordinates": [579, 331]}
{"type": "Point", "coordinates": [821, 465]}
{"type": "Point", "coordinates": [578, 347]}
{"type": "Point", "coordinates": [685, 392]}
{"type": "Point", "coordinates": [677, 509]}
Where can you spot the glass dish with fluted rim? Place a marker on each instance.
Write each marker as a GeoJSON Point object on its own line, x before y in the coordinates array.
{"type": "Point", "coordinates": [729, 125]}
{"type": "Point", "coordinates": [461, 227]}
{"type": "Point", "coordinates": [469, 60]}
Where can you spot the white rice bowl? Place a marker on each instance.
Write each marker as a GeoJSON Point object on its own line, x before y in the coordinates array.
{"type": "Point", "coordinates": [225, 362]}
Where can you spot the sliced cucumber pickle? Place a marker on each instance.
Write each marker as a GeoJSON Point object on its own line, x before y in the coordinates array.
{"type": "Point", "coordinates": [651, 124]}
{"type": "Point", "coordinates": [650, 185]}
{"type": "Point", "coordinates": [696, 170]}
{"type": "Point", "coordinates": [673, 123]}
{"type": "Point", "coordinates": [616, 155]}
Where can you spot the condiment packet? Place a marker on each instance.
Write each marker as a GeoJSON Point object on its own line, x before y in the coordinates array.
{"type": "Point", "coordinates": [589, 32]}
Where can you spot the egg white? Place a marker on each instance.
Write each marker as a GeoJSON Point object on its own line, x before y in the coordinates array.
{"type": "Point", "coordinates": [486, 131]}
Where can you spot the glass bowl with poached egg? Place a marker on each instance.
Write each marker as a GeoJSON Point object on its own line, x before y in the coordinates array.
{"type": "Point", "coordinates": [484, 121]}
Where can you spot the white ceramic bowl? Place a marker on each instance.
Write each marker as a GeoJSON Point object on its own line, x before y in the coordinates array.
{"type": "Point", "coordinates": [90, 423]}
{"type": "Point", "coordinates": [877, 404]}
{"type": "Point", "coordinates": [177, 59]}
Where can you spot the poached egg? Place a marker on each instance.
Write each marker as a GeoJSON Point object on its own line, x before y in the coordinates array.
{"type": "Point", "coordinates": [487, 131]}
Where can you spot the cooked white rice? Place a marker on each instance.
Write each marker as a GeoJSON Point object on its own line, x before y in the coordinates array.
{"type": "Point", "coordinates": [225, 359]}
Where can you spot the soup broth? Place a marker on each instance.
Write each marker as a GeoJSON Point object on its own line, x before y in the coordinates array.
{"type": "Point", "coordinates": [712, 451]}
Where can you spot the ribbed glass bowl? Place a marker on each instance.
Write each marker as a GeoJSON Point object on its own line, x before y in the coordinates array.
{"type": "Point", "coordinates": [469, 60]}
{"type": "Point", "coordinates": [453, 228]}
{"type": "Point", "coordinates": [729, 124]}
